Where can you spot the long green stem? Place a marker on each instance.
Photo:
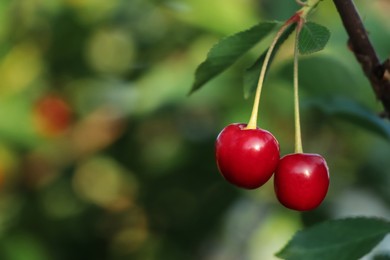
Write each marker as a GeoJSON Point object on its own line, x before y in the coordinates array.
{"type": "Point", "coordinates": [309, 6]}
{"type": "Point", "coordinates": [297, 17]}
{"type": "Point", "coordinates": [298, 136]}
{"type": "Point", "coordinates": [252, 124]}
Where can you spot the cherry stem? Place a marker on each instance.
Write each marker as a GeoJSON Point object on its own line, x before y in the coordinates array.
{"type": "Point", "coordinates": [298, 136]}
{"type": "Point", "coordinates": [252, 124]}
{"type": "Point", "coordinates": [301, 3]}
{"type": "Point", "coordinates": [298, 17]}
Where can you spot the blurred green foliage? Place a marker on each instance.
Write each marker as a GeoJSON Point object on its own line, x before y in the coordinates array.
{"type": "Point", "coordinates": [133, 176]}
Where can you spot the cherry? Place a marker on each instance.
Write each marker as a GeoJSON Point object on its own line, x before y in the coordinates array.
{"type": "Point", "coordinates": [52, 115]}
{"type": "Point", "coordinates": [245, 157]}
{"type": "Point", "coordinates": [301, 181]}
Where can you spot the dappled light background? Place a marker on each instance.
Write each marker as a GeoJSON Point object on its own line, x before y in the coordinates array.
{"type": "Point", "coordinates": [103, 155]}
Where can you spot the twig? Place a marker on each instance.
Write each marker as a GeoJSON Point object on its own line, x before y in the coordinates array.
{"type": "Point", "coordinates": [364, 52]}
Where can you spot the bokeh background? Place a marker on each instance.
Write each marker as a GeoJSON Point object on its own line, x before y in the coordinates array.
{"type": "Point", "coordinates": [103, 155]}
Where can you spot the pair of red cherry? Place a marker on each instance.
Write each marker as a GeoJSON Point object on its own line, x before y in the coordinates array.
{"type": "Point", "coordinates": [248, 158]}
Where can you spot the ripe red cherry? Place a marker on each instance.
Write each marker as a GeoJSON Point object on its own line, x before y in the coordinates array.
{"type": "Point", "coordinates": [246, 158]}
{"type": "Point", "coordinates": [52, 115]}
{"type": "Point", "coordinates": [301, 181]}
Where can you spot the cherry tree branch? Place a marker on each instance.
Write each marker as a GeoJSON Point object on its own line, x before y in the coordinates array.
{"type": "Point", "coordinates": [377, 72]}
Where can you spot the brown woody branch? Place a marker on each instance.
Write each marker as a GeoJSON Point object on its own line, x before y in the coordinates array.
{"type": "Point", "coordinates": [378, 73]}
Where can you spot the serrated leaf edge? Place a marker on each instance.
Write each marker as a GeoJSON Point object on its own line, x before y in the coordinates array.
{"type": "Point", "coordinates": [280, 252]}
{"type": "Point", "coordinates": [318, 49]}
{"type": "Point", "coordinates": [274, 23]}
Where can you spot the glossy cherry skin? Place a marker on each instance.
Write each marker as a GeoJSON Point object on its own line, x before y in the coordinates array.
{"type": "Point", "coordinates": [301, 181]}
{"type": "Point", "coordinates": [246, 158]}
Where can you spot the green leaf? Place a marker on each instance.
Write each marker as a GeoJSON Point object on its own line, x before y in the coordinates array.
{"type": "Point", "coordinates": [252, 73]}
{"type": "Point", "coordinates": [312, 38]}
{"type": "Point", "coordinates": [344, 239]}
{"type": "Point", "coordinates": [353, 112]}
{"type": "Point", "coordinates": [228, 50]}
